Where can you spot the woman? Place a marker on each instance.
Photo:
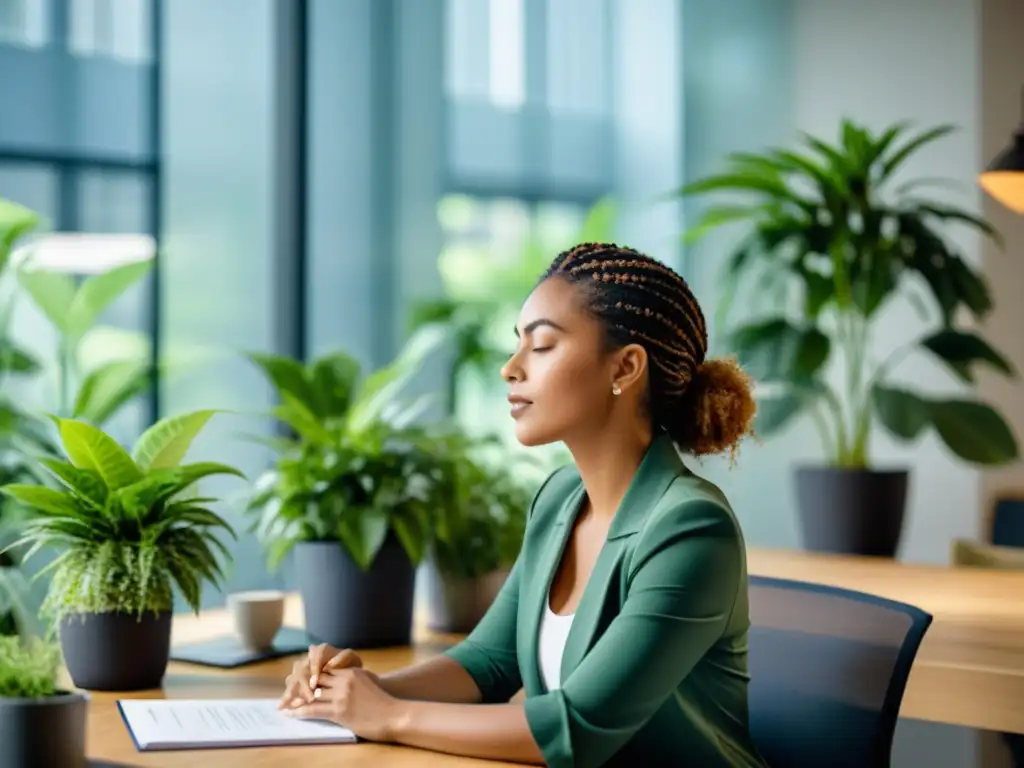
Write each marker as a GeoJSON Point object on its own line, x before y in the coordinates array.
{"type": "Point", "coordinates": [625, 616]}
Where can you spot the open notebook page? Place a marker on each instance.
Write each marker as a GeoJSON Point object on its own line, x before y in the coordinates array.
{"type": "Point", "coordinates": [161, 724]}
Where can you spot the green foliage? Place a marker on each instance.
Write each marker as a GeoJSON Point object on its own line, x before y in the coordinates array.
{"type": "Point", "coordinates": [127, 528]}
{"type": "Point", "coordinates": [831, 242]}
{"type": "Point", "coordinates": [94, 395]}
{"type": "Point", "coordinates": [356, 466]}
{"type": "Point", "coordinates": [471, 310]}
{"type": "Point", "coordinates": [28, 667]}
{"type": "Point", "coordinates": [486, 520]}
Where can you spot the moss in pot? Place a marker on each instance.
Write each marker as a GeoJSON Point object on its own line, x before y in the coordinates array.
{"type": "Point", "coordinates": [41, 726]}
{"type": "Point", "coordinates": [128, 531]}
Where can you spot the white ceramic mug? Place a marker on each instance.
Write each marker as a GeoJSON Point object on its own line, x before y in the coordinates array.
{"type": "Point", "coordinates": [257, 617]}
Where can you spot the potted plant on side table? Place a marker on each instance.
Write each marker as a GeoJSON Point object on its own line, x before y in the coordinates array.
{"type": "Point", "coordinates": [355, 492]}
{"type": "Point", "coordinates": [40, 725]}
{"type": "Point", "coordinates": [833, 239]}
{"type": "Point", "coordinates": [129, 532]}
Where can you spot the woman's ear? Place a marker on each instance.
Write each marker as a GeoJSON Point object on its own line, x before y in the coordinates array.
{"type": "Point", "coordinates": [630, 368]}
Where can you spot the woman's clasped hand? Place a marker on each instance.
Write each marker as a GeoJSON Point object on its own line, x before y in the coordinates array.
{"type": "Point", "coordinates": [331, 684]}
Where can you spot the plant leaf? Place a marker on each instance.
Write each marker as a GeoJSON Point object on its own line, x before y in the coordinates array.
{"type": "Point", "coordinates": [86, 483]}
{"type": "Point", "coordinates": [363, 535]}
{"type": "Point", "coordinates": [287, 376]}
{"type": "Point", "coordinates": [960, 351]}
{"type": "Point", "coordinates": [774, 350]}
{"type": "Point", "coordinates": [974, 431]}
{"type": "Point", "coordinates": [903, 413]}
{"type": "Point", "coordinates": [98, 292]}
{"type": "Point", "coordinates": [776, 411]}
{"type": "Point", "coordinates": [165, 443]}
{"type": "Point", "coordinates": [42, 499]}
{"type": "Point", "coordinates": [52, 293]}
{"type": "Point", "coordinates": [107, 388]}
{"type": "Point", "coordinates": [90, 448]}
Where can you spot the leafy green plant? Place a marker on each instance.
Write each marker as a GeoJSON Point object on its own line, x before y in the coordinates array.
{"type": "Point", "coordinates": [22, 435]}
{"type": "Point", "coordinates": [97, 394]}
{"type": "Point", "coordinates": [126, 524]}
{"type": "Point", "coordinates": [28, 667]}
{"type": "Point", "coordinates": [491, 493]}
{"type": "Point", "coordinates": [832, 240]}
{"type": "Point", "coordinates": [356, 466]}
{"type": "Point", "coordinates": [481, 291]}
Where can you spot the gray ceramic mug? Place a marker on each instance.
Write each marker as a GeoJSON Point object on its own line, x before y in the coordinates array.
{"type": "Point", "coordinates": [257, 616]}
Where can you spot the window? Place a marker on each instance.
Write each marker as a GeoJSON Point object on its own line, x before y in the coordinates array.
{"type": "Point", "coordinates": [116, 29]}
{"type": "Point", "coordinates": [24, 23]}
{"type": "Point", "coordinates": [486, 51]}
{"type": "Point", "coordinates": [487, 240]}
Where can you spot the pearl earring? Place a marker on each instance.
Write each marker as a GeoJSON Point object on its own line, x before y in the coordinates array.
{"type": "Point", "coordinates": [616, 390]}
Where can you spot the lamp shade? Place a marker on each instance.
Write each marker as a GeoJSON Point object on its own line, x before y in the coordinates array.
{"type": "Point", "coordinates": [81, 253]}
{"type": "Point", "coordinates": [1004, 178]}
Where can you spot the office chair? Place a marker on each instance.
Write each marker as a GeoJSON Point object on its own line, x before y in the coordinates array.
{"type": "Point", "coordinates": [1008, 521]}
{"type": "Point", "coordinates": [828, 668]}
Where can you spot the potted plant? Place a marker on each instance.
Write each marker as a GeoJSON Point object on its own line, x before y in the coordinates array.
{"type": "Point", "coordinates": [22, 435]}
{"type": "Point", "coordinates": [355, 491]}
{"type": "Point", "coordinates": [129, 531]}
{"type": "Point", "coordinates": [40, 725]}
{"type": "Point", "coordinates": [471, 558]}
{"type": "Point", "coordinates": [832, 240]}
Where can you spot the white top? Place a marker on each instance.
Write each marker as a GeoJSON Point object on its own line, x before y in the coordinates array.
{"type": "Point", "coordinates": [554, 630]}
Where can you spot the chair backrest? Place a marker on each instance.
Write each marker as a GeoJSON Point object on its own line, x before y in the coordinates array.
{"type": "Point", "coordinates": [828, 668]}
{"type": "Point", "coordinates": [1008, 521]}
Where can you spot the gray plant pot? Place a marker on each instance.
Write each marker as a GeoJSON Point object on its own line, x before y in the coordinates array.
{"type": "Point", "coordinates": [48, 732]}
{"type": "Point", "coordinates": [116, 651]}
{"type": "Point", "coordinates": [351, 608]}
{"type": "Point", "coordinates": [457, 604]}
{"type": "Point", "coordinates": [851, 511]}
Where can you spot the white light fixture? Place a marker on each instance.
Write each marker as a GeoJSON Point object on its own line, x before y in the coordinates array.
{"type": "Point", "coordinates": [82, 253]}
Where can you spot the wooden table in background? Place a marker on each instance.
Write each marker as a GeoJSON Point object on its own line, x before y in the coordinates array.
{"type": "Point", "coordinates": [969, 671]}
{"type": "Point", "coordinates": [970, 668]}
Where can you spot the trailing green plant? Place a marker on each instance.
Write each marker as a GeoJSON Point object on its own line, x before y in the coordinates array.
{"type": "Point", "coordinates": [491, 493]}
{"type": "Point", "coordinates": [126, 525]}
{"type": "Point", "coordinates": [833, 239]}
{"type": "Point", "coordinates": [28, 667]}
{"type": "Point", "coordinates": [356, 465]}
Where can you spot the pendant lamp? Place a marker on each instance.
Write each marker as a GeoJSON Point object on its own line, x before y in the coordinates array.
{"type": "Point", "coordinates": [1004, 178]}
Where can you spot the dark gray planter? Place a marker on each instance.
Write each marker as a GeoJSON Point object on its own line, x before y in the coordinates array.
{"type": "Point", "coordinates": [851, 511]}
{"type": "Point", "coordinates": [351, 608]}
{"type": "Point", "coordinates": [48, 732]}
{"type": "Point", "coordinates": [116, 651]}
{"type": "Point", "coordinates": [457, 604]}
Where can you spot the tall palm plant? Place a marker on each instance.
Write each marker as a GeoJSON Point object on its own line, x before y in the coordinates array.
{"type": "Point", "coordinates": [832, 237]}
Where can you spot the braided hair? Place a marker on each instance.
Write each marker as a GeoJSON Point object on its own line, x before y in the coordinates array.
{"type": "Point", "coordinates": [705, 406]}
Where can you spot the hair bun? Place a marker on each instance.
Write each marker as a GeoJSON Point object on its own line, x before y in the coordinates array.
{"type": "Point", "coordinates": [717, 409]}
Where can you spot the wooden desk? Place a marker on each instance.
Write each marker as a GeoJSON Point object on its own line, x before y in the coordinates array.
{"type": "Point", "coordinates": [970, 668]}
{"type": "Point", "coordinates": [108, 738]}
{"type": "Point", "coordinates": [969, 671]}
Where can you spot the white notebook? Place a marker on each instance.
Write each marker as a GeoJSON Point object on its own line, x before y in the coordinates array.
{"type": "Point", "coordinates": [162, 724]}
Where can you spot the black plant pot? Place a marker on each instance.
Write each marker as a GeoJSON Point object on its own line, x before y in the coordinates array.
{"type": "Point", "coordinates": [48, 732]}
{"type": "Point", "coordinates": [851, 511]}
{"type": "Point", "coordinates": [351, 608]}
{"type": "Point", "coordinates": [116, 651]}
{"type": "Point", "coordinates": [457, 604]}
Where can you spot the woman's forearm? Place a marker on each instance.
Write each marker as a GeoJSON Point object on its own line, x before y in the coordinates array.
{"type": "Point", "coordinates": [438, 679]}
{"type": "Point", "coordinates": [491, 731]}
